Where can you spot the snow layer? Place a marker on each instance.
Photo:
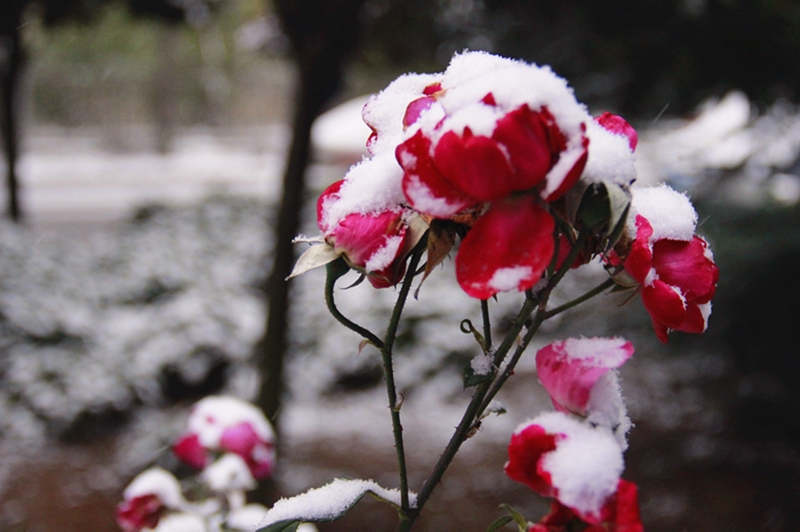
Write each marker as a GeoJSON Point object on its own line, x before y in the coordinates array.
{"type": "Point", "coordinates": [669, 212]}
{"type": "Point", "coordinates": [327, 502]}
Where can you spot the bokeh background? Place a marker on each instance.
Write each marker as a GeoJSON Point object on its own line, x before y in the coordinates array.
{"type": "Point", "coordinates": [152, 144]}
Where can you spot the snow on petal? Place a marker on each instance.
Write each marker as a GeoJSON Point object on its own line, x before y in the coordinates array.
{"type": "Point", "coordinates": [159, 482]}
{"type": "Point", "coordinates": [610, 158]}
{"type": "Point", "coordinates": [570, 369]}
{"type": "Point", "coordinates": [670, 213]}
{"type": "Point", "coordinates": [229, 473]}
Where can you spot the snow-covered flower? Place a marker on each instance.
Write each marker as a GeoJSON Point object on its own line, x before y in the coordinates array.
{"type": "Point", "coordinates": [557, 456]}
{"type": "Point", "coordinates": [674, 267]}
{"type": "Point", "coordinates": [580, 378]}
{"type": "Point", "coordinates": [499, 137]}
{"type": "Point", "coordinates": [220, 424]}
{"type": "Point", "coordinates": [148, 496]}
{"type": "Point", "coordinates": [371, 242]}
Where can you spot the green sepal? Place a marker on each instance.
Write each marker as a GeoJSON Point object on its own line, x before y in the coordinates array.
{"type": "Point", "coordinates": [499, 523]}
{"type": "Point", "coordinates": [522, 523]}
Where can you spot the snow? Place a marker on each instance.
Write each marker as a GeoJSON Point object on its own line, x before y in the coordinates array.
{"type": "Point", "coordinates": [159, 482]}
{"type": "Point", "coordinates": [181, 522]}
{"type": "Point", "coordinates": [669, 212]}
{"type": "Point", "coordinates": [370, 187]}
{"type": "Point", "coordinates": [212, 415]}
{"type": "Point", "coordinates": [586, 464]}
{"type": "Point", "coordinates": [328, 502]}
{"type": "Point", "coordinates": [228, 473]}
{"type": "Point", "coordinates": [505, 279]}
{"type": "Point", "coordinates": [610, 157]}
{"type": "Point", "coordinates": [383, 257]}
{"type": "Point", "coordinates": [335, 132]}
{"type": "Point", "coordinates": [608, 352]}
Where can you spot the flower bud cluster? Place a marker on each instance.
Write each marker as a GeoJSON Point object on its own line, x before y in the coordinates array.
{"type": "Point", "coordinates": [230, 443]}
{"type": "Point", "coordinates": [499, 154]}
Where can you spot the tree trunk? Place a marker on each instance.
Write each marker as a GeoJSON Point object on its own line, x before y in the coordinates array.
{"type": "Point", "coordinates": [11, 63]}
{"type": "Point", "coordinates": [322, 32]}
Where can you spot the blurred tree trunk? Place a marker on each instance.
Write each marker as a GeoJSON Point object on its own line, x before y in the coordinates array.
{"type": "Point", "coordinates": [322, 34]}
{"type": "Point", "coordinates": [11, 62]}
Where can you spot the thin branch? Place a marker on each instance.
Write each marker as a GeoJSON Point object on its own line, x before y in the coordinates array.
{"type": "Point", "coordinates": [334, 271]}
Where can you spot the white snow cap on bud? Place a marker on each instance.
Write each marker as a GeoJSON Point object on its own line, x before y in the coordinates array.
{"type": "Point", "coordinates": [610, 157]}
{"type": "Point", "coordinates": [229, 473]}
{"type": "Point", "coordinates": [159, 482]}
{"type": "Point", "coordinates": [669, 212]}
{"type": "Point", "coordinates": [212, 415]}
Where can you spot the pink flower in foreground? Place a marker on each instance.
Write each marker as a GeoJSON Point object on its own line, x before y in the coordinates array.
{"type": "Point", "coordinates": [558, 456]}
{"type": "Point", "coordinates": [147, 498]}
{"type": "Point", "coordinates": [220, 424]}
{"type": "Point", "coordinates": [578, 374]}
{"type": "Point", "coordinates": [503, 137]}
{"type": "Point", "coordinates": [370, 242]}
{"type": "Point", "coordinates": [674, 267]}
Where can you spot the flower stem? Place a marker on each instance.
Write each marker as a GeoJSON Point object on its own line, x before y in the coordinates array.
{"type": "Point", "coordinates": [599, 289]}
{"type": "Point", "coordinates": [487, 326]}
{"type": "Point", "coordinates": [335, 270]}
{"type": "Point", "coordinates": [391, 390]}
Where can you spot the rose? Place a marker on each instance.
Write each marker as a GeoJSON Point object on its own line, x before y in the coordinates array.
{"type": "Point", "coordinates": [499, 138]}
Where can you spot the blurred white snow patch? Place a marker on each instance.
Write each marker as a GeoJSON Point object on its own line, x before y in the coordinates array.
{"type": "Point", "coordinates": [340, 133]}
{"type": "Point", "coordinates": [717, 138]}
{"type": "Point", "coordinates": [785, 189]}
{"type": "Point", "coordinates": [229, 473]}
{"type": "Point", "coordinates": [329, 501]}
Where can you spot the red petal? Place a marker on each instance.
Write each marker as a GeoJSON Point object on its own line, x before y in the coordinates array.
{"type": "Point", "coordinates": [572, 176]}
{"type": "Point", "coordinates": [424, 186]}
{"type": "Point", "coordinates": [664, 304]}
{"type": "Point", "coordinates": [524, 453]}
{"type": "Point", "coordinates": [189, 451]}
{"type": "Point", "coordinates": [360, 236]}
{"type": "Point", "coordinates": [695, 322]}
{"type": "Point", "coordinates": [509, 247]}
{"type": "Point", "coordinates": [415, 108]}
{"type": "Point", "coordinates": [138, 513]}
{"type": "Point", "coordinates": [685, 265]}
{"type": "Point", "coordinates": [621, 513]}
{"type": "Point", "coordinates": [526, 135]}
{"type": "Point", "coordinates": [475, 165]}
{"type": "Point", "coordinates": [638, 262]}
{"type": "Point", "coordinates": [619, 126]}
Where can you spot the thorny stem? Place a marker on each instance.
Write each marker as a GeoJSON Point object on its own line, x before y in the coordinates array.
{"type": "Point", "coordinates": [391, 390]}
{"type": "Point", "coordinates": [487, 327]}
{"type": "Point", "coordinates": [334, 272]}
{"type": "Point", "coordinates": [488, 389]}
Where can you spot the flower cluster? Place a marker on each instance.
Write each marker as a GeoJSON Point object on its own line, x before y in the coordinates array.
{"type": "Point", "coordinates": [230, 441]}
{"type": "Point", "coordinates": [575, 454]}
{"type": "Point", "coordinates": [499, 153]}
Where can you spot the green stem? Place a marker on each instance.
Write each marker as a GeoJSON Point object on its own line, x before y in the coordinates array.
{"type": "Point", "coordinates": [391, 390]}
{"type": "Point", "coordinates": [335, 271]}
{"type": "Point", "coordinates": [597, 290]}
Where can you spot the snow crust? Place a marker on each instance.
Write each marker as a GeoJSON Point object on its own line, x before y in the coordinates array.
{"type": "Point", "coordinates": [370, 187]}
{"type": "Point", "coordinates": [505, 279]}
{"type": "Point", "coordinates": [383, 257]}
{"type": "Point", "coordinates": [669, 212]}
{"type": "Point", "coordinates": [228, 473]}
{"type": "Point", "coordinates": [159, 482]}
{"type": "Point", "coordinates": [586, 464]}
{"type": "Point", "coordinates": [212, 415]}
{"type": "Point", "coordinates": [328, 502]}
{"type": "Point", "coordinates": [610, 157]}
{"type": "Point", "coordinates": [607, 352]}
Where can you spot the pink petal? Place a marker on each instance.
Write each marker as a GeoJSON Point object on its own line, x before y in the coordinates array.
{"type": "Point", "coordinates": [239, 439]}
{"type": "Point", "coordinates": [360, 236]}
{"type": "Point", "coordinates": [524, 454]}
{"type": "Point", "coordinates": [509, 247]}
{"type": "Point", "coordinates": [685, 265]}
{"type": "Point", "coordinates": [415, 109]}
{"type": "Point", "coordinates": [532, 145]}
{"type": "Point", "coordinates": [189, 451]}
{"type": "Point", "coordinates": [424, 186]}
{"type": "Point", "coordinates": [331, 194]}
{"type": "Point", "coordinates": [475, 165]}
{"type": "Point", "coordinates": [618, 125]}
{"type": "Point", "coordinates": [569, 369]}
